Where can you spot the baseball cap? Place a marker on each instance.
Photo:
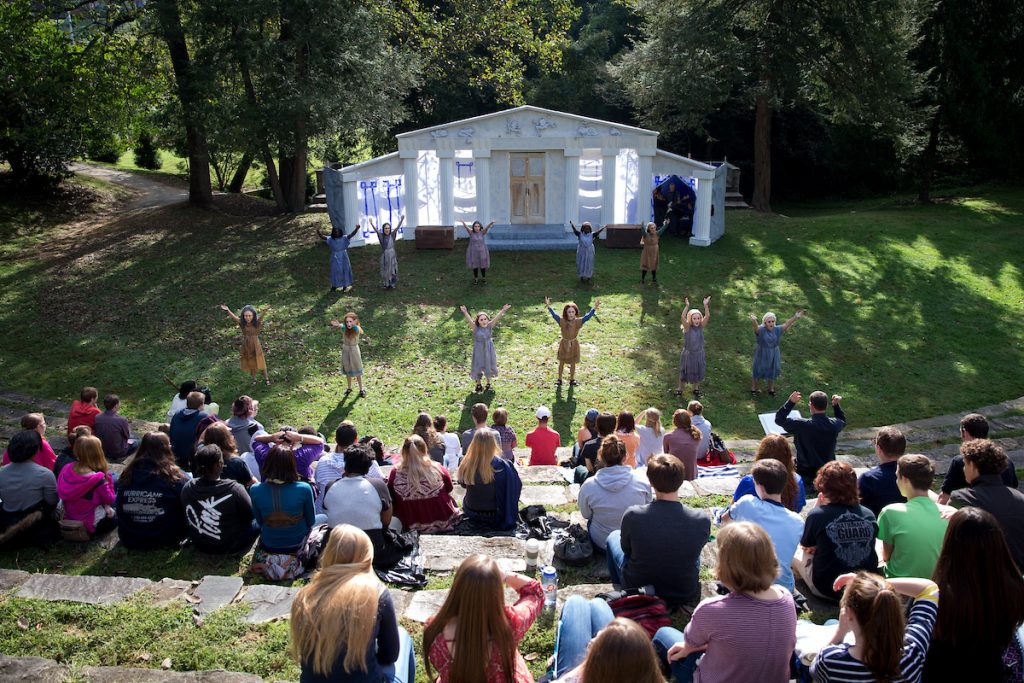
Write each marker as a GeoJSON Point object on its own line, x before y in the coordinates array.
{"type": "Point", "coordinates": [592, 414]}
{"type": "Point", "coordinates": [543, 412]}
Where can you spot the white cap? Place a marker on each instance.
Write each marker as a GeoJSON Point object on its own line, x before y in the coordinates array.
{"type": "Point", "coordinates": [543, 412]}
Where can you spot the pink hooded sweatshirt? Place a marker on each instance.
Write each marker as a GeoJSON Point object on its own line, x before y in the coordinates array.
{"type": "Point", "coordinates": [83, 493]}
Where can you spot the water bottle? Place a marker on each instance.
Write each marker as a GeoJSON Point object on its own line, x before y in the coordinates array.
{"type": "Point", "coordinates": [549, 581]}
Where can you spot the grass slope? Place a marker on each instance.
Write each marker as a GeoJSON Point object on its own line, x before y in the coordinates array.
{"type": "Point", "coordinates": [912, 311]}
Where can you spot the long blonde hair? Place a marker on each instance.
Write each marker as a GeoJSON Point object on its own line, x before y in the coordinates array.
{"type": "Point", "coordinates": [420, 471]}
{"type": "Point", "coordinates": [338, 608]}
{"type": "Point", "coordinates": [476, 466]}
{"type": "Point", "coordinates": [89, 455]}
{"type": "Point", "coordinates": [477, 600]}
{"type": "Point", "coordinates": [652, 420]}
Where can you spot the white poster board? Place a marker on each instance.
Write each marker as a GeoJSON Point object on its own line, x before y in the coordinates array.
{"type": "Point", "coordinates": [768, 422]}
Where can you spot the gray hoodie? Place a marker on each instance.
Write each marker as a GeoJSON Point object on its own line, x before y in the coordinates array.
{"type": "Point", "coordinates": [605, 497]}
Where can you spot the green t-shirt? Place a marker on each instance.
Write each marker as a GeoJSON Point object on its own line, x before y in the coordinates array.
{"type": "Point", "coordinates": [915, 530]}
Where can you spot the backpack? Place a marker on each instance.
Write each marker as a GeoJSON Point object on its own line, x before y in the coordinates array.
{"type": "Point", "coordinates": [717, 454]}
{"type": "Point", "coordinates": [640, 605]}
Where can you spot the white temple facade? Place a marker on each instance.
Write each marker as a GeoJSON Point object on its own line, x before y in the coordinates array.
{"type": "Point", "coordinates": [527, 168]}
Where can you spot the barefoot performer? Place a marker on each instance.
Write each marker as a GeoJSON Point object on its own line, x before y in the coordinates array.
{"type": "Point", "coordinates": [351, 358]}
{"type": "Point", "coordinates": [252, 352]}
{"type": "Point", "coordinates": [485, 359]}
{"type": "Point", "coordinates": [767, 357]}
{"type": "Point", "coordinates": [569, 323]}
{"type": "Point", "coordinates": [341, 267]}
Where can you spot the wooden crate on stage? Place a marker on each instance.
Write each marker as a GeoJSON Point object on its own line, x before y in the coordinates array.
{"type": "Point", "coordinates": [623, 236]}
{"type": "Point", "coordinates": [435, 237]}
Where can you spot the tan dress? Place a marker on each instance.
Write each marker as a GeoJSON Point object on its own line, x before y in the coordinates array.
{"type": "Point", "coordinates": [252, 352]}
{"type": "Point", "coordinates": [649, 256]}
{"type": "Point", "coordinates": [569, 346]}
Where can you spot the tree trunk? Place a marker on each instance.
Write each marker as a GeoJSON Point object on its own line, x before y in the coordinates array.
{"type": "Point", "coordinates": [761, 200]}
{"type": "Point", "coordinates": [238, 179]}
{"type": "Point", "coordinates": [268, 159]}
{"type": "Point", "coordinates": [929, 158]}
{"type": "Point", "coordinates": [294, 160]}
{"type": "Point", "coordinates": [200, 192]}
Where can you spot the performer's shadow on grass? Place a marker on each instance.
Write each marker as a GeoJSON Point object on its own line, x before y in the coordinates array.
{"type": "Point", "coordinates": [563, 412]}
{"type": "Point", "coordinates": [466, 416]}
{"type": "Point", "coordinates": [341, 411]}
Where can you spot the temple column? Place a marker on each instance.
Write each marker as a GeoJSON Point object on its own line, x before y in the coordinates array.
{"type": "Point", "coordinates": [410, 185]}
{"type": "Point", "coordinates": [608, 158]}
{"type": "Point", "coordinates": [572, 186]}
{"type": "Point", "coordinates": [482, 173]}
{"type": "Point", "coordinates": [702, 213]}
{"type": "Point", "coordinates": [446, 185]}
{"type": "Point", "coordinates": [644, 189]}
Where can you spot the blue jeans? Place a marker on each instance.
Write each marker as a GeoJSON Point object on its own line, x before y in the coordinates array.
{"type": "Point", "coordinates": [580, 622]}
{"type": "Point", "coordinates": [404, 668]}
{"type": "Point", "coordinates": [616, 556]}
{"type": "Point", "coordinates": [682, 670]}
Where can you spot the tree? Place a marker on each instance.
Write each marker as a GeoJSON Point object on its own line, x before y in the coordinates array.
{"type": "Point", "coordinates": [846, 57]}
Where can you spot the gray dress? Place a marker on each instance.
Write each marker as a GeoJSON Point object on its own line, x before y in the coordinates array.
{"type": "Point", "coordinates": [477, 255]}
{"type": "Point", "coordinates": [485, 359]}
{"type": "Point", "coordinates": [692, 364]}
{"type": "Point", "coordinates": [767, 357]}
{"type": "Point", "coordinates": [388, 261]}
{"type": "Point", "coordinates": [585, 255]}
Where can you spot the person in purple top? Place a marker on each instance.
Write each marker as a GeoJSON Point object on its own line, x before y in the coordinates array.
{"type": "Point", "coordinates": [305, 443]}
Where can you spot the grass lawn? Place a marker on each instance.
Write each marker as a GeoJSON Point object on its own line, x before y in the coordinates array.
{"type": "Point", "coordinates": [912, 312]}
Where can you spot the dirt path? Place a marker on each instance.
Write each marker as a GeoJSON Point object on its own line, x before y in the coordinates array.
{"type": "Point", "coordinates": [151, 193]}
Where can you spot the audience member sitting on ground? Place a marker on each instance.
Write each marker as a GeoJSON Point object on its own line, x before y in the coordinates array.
{"type": "Point", "coordinates": [219, 434]}
{"type": "Point", "coordinates": [365, 504]}
{"type": "Point", "coordinates": [492, 483]}
{"type": "Point", "coordinates": [307, 445]}
{"type": "Point", "coordinates": [474, 636]}
{"type": "Point", "coordinates": [242, 422]}
{"type": "Point", "coordinates": [877, 486]}
{"type": "Point", "coordinates": [148, 504]}
{"type": "Point", "coordinates": [911, 533]}
{"type": "Point", "coordinates": [452, 445]}
{"type": "Point", "coordinates": [29, 494]}
{"type": "Point", "coordinates": [344, 628]}
{"type": "Point", "coordinates": [44, 457]}
{"type": "Point", "coordinates": [114, 431]}
{"type": "Point", "coordinates": [421, 490]}
{"type": "Point", "coordinates": [543, 441]}
{"type": "Point", "coordinates": [747, 635]}
{"type": "Point", "coordinates": [424, 428]}
{"type": "Point", "coordinates": [588, 460]}
{"type": "Point", "coordinates": [479, 413]}
{"type": "Point", "coordinates": [605, 497]}
{"type": "Point", "coordinates": [594, 647]}
{"type": "Point", "coordinates": [776, 447]}
{"type": "Point", "coordinates": [982, 604]}
{"type": "Point", "coordinates": [683, 441]}
{"type": "Point", "coordinates": [67, 454]}
{"type": "Point", "coordinates": [888, 647]}
{"type": "Point", "coordinates": [973, 426]}
{"type": "Point", "coordinates": [696, 408]}
{"type": "Point", "coordinates": [586, 432]}
{"type": "Point", "coordinates": [651, 435]}
{"type": "Point", "coordinates": [331, 465]}
{"type": "Point", "coordinates": [625, 430]}
{"type": "Point", "coordinates": [282, 505]}
{"type": "Point", "coordinates": [660, 544]}
{"type": "Point", "coordinates": [766, 510]}
{"type": "Point", "coordinates": [180, 400]}
{"type": "Point", "coordinates": [506, 435]}
{"type": "Point", "coordinates": [183, 429]}
{"type": "Point", "coordinates": [218, 510]}
{"type": "Point", "coordinates": [212, 417]}
{"type": "Point", "coordinates": [815, 437]}
{"type": "Point", "coordinates": [839, 534]}
{"type": "Point", "coordinates": [984, 462]}
{"type": "Point", "coordinates": [87, 489]}
{"type": "Point", "coordinates": [84, 410]}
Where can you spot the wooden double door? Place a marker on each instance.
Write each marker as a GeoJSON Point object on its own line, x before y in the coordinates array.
{"type": "Point", "coordinates": [526, 187]}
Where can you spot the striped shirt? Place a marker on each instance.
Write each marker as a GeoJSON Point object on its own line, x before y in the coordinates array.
{"type": "Point", "coordinates": [835, 665]}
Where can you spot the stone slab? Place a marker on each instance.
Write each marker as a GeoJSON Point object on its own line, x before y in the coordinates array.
{"type": "Point", "coordinates": [12, 578]}
{"type": "Point", "coordinates": [269, 602]}
{"type": "Point", "coordinates": [425, 604]}
{"type": "Point", "coordinates": [95, 590]}
{"type": "Point", "coordinates": [723, 486]}
{"type": "Point", "coordinates": [544, 495]}
{"type": "Point", "coordinates": [443, 553]}
{"type": "Point", "coordinates": [166, 591]}
{"type": "Point", "coordinates": [216, 591]}
{"type": "Point", "coordinates": [583, 590]}
{"type": "Point", "coordinates": [42, 405]}
{"type": "Point", "coordinates": [709, 555]}
{"type": "Point", "coordinates": [115, 674]}
{"type": "Point", "coordinates": [400, 599]}
{"type": "Point", "coordinates": [30, 670]}
{"type": "Point", "coordinates": [542, 474]}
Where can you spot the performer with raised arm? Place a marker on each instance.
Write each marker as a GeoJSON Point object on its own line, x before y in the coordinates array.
{"type": "Point", "coordinates": [478, 258]}
{"type": "Point", "coordinates": [649, 256]}
{"type": "Point", "coordinates": [485, 359]}
{"type": "Point", "coordinates": [351, 357]}
{"type": "Point", "coordinates": [692, 364]}
{"type": "Point", "coordinates": [569, 323]}
{"type": "Point", "coordinates": [251, 323]}
{"type": "Point", "coordinates": [585, 250]}
{"type": "Point", "coordinates": [767, 357]}
{"type": "Point", "coordinates": [388, 258]}
{"type": "Point", "coordinates": [341, 267]}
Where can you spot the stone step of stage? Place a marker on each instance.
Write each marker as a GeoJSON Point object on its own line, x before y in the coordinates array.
{"type": "Point", "coordinates": [517, 237]}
